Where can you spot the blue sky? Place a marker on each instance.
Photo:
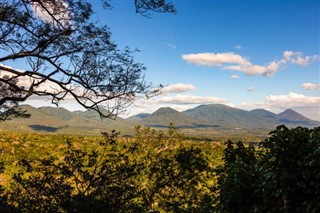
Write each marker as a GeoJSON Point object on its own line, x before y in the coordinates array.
{"type": "Point", "coordinates": [245, 54]}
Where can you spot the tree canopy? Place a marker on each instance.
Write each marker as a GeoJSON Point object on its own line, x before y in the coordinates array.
{"type": "Point", "coordinates": [67, 56]}
{"type": "Point", "coordinates": [280, 175]}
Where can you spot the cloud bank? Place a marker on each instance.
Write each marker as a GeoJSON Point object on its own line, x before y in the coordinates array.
{"type": "Point", "coordinates": [307, 105]}
{"type": "Point", "coordinates": [310, 86]}
{"type": "Point", "coordinates": [177, 88]}
{"type": "Point", "coordinates": [190, 99]}
{"type": "Point", "coordinates": [236, 62]}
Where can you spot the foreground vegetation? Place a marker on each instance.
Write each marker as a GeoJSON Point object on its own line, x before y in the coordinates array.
{"type": "Point", "coordinates": [160, 171]}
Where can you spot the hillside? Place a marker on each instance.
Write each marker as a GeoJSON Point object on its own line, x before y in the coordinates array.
{"type": "Point", "coordinates": [164, 116]}
{"type": "Point", "coordinates": [138, 116]}
{"type": "Point", "coordinates": [227, 116]}
{"type": "Point", "coordinates": [204, 119]}
{"type": "Point", "coordinates": [259, 118]}
{"type": "Point", "coordinates": [291, 116]}
{"type": "Point", "coordinates": [61, 121]}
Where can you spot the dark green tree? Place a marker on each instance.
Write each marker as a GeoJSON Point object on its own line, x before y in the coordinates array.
{"type": "Point", "coordinates": [282, 174]}
{"type": "Point", "coordinates": [238, 179]}
{"type": "Point", "coordinates": [10, 108]}
{"type": "Point", "coordinates": [290, 167]}
{"type": "Point", "coordinates": [66, 55]}
{"type": "Point", "coordinates": [178, 182]}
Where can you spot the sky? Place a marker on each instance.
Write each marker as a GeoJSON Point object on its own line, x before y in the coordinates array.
{"type": "Point", "coordinates": [245, 54]}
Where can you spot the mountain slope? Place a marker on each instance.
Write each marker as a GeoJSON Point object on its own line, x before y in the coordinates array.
{"type": "Point", "coordinates": [204, 118]}
{"type": "Point", "coordinates": [164, 116]}
{"type": "Point", "coordinates": [62, 121]}
{"type": "Point", "coordinates": [224, 116]}
{"type": "Point", "coordinates": [291, 116]}
{"type": "Point", "coordinates": [232, 117]}
{"type": "Point", "coordinates": [139, 116]}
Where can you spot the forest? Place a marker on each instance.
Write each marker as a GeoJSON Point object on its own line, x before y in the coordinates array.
{"type": "Point", "coordinates": [160, 171]}
{"type": "Point", "coordinates": [56, 51]}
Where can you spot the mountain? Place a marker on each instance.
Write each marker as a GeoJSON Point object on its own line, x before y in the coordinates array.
{"type": "Point", "coordinates": [56, 112]}
{"type": "Point", "coordinates": [166, 115]}
{"type": "Point", "coordinates": [226, 116]}
{"type": "Point", "coordinates": [139, 116]}
{"type": "Point", "coordinates": [264, 113]}
{"type": "Point", "coordinates": [62, 121]}
{"type": "Point", "coordinates": [291, 116]}
{"type": "Point", "coordinates": [93, 115]}
{"type": "Point", "coordinates": [203, 119]}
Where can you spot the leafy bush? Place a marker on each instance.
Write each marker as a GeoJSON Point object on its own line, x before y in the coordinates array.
{"type": "Point", "coordinates": [281, 175]}
{"type": "Point", "coordinates": [160, 171]}
{"type": "Point", "coordinates": [152, 172]}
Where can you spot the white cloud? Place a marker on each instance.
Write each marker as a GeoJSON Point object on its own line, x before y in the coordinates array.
{"type": "Point", "coordinates": [236, 62]}
{"type": "Point", "coordinates": [178, 88]}
{"type": "Point", "coordinates": [296, 58]}
{"type": "Point", "coordinates": [293, 99]}
{"type": "Point", "coordinates": [215, 59]}
{"type": "Point", "coordinates": [251, 89]}
{"type": "Point", "coordinates": [189, 99]}
{"type": "Point", "coordinates": [237, 47]}
{"type": "Point", "coordinates": [307, 105]}
{"type": "Point", "coordinates": [310, 86]}
{"type": "Point", "coordinates": [235, 76]}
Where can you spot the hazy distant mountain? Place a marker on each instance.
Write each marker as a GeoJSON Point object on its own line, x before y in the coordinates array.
{"type": "Point", "coordinates": [60, 120]}
{"type": "Point", "coordinates": [93, 115]}
{"type": "Point", "coordinates": [139, 116]}
{"type": "Point", "coordinates": [56, 112]}
{"type": "Point", "coordinates": [291, 116]}
{"type": "Point", "coordinates": [213, 117]}
{"type": "Point", "coordinates": [227, 116]}
{"type": "Point", "coordinates": [259, 118]}
{"type": "Point", "coordinates": [264, 113]}
{"type": "Point", "coordinates": [164, 116]}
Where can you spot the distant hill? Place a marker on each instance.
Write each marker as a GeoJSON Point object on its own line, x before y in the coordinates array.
{"type": "Point", "coordinates": [259, 118]}
{"type": "Point", "coordinates": [164, 116]}
{"type": "Point", "coordinates": [93, 115]}
{"type": "Point", "coordinates": [203, 119]}
{"type": "Point", "coordinates": [139, 116]}
{"type": "Point", "coordinates": [62, 121]}
{"type": "Point", "coordinates": [226, 116]}
{"type": "Point", "coordinates": [291, 116]}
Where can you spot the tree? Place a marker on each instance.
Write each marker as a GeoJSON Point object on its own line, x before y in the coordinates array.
{"type": "Point", "coordinates": [151, 172]}
{"type": "Point", "coordinates": [65, 55]}
{"type": "Point", "coordinates": [238, 179]}
{"type": "Point", "coordinates": [281, 174]}
{"type": "Point", "coordinates": [291, 169]}
{"type": "Point", "coordinates": [10, 108]}
{"type": "Point", "coordinates": [102, 179]}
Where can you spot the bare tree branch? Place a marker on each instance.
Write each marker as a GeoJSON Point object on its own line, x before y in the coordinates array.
{"type": "Point", "coordinates": [65, 56]}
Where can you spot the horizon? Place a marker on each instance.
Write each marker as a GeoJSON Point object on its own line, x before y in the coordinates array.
{"type": "Point", "coordinates": [125, 117]}
{"type": "Point", "coordinates": [246, 55]}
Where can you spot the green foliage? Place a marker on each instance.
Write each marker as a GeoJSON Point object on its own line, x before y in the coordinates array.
{"type": "Point", "coordinates": [237, 178]}
{"type": "Point", "coordinates": [291, 168]}
{"type": "Point", "coordinates": [99, 180]}
{"type": "Point", "coordinates": [179, 182]}
{"type": "Point", "coordinates": [157, 171]}
{"type": "Point", "coordinates": [281, 175]}
{"type": "Point", "coordinates": [161, 171]}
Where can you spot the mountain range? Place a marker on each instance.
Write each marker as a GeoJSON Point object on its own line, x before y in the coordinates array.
{"type": "Point", "coordinates": [213, 117]}
{"type": "Point", "coordinates": [218, 115]}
